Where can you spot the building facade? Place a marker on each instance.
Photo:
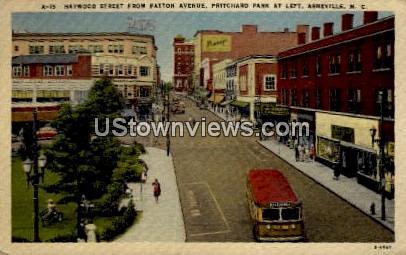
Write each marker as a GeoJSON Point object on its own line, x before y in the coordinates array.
{"type": "Point", "coordinates": [129, 59]}
{"type": "Point", "coordinates": [183, 61]}
{"type": "Point", "coordinates": [218, 45]}
{"type": "Point", "coordinates": [334, 83]}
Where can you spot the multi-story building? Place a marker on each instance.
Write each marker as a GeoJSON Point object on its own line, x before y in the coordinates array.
{"type": "Point", "coordinates": [129, 59]}
{"type": "Point", "coordinates": [334, 83]}
{"type": "Point", "coordinates": [257, 84]}
{"type": "Point", "coordinates": [44, 81]}
{"type": "Point", "coordinates": [183, 55]}
{"type": "Point", "coordinates": [216, 46]}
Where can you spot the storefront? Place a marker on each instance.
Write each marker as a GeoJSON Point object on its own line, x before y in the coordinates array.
{"type": "Point", "coordinates": [243, 108]}
{"type": "Point", "coordinates": [328, 151]}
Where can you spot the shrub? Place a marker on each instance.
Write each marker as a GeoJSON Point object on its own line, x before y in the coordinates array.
{"type": "Point", "coordinates": [63, 238]}
{"type": "Point", "coordinates": [119, 224]}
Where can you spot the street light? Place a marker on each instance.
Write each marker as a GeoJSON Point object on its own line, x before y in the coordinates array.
{"type": "Point", "coordinates": [380, 141]}
{"type": "Point", "coordinates": [33, 178]}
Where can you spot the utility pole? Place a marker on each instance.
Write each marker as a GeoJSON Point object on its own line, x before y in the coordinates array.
{"type": "Point", "coordinates": [381, 161]}
{"type": "Point", "coordinates": [168, 140]}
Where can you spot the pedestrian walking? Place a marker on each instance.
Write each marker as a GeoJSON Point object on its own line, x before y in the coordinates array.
{"type": "Point", "coordinates": [301, 151]}
{"type": "Point", "coordinates": [156, 189]}
{"type": "Point", "coordinates": [296, 150]}
{"type": "Point", "coordinates": [336, 168]}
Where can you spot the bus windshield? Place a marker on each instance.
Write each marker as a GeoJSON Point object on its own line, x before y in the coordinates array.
{"type": "Point", "coordinates": [270, 214]}
{"type": "Point", "coordinates": [290, 214]}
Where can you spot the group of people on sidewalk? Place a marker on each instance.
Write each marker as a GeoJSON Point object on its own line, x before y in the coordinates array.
{"type": "Point", "coordinates": [304, 153]}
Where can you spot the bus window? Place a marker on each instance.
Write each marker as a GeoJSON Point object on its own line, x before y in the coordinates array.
{"type": "Point", "coordinates": [270, 214]}
{"type": "Point", "coordinates": [290, 214]}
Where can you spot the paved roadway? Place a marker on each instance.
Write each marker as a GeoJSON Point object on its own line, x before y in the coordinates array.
{"type": "Point", "coordinates": [211, 176]}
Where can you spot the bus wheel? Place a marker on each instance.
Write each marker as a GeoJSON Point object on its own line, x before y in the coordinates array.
{"type": "Point", "coordinates": [254, 233]}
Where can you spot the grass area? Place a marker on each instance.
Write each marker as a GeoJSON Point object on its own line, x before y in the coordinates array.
{"type": "Point", "coordinates": [22, 207]}
{"type": "Point", "coordinates": [23, 212]}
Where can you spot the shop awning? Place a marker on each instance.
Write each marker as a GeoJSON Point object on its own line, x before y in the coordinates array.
{"type": "Point", "coordinates": [240, 104]}
{"type": "Point", "coordinates": [226, 102]}
{"type": "Point", "coordinates": [216, 98]}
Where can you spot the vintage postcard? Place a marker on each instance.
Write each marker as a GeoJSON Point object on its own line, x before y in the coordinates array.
{"type": "Point", "coordinates": [187, 127]}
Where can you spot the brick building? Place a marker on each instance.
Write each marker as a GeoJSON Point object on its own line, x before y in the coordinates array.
{"type": "Point", "coordinates": [44, 81]}
{"type": "Point", "coordinates": [183, 61]}
{"type": "Point", "coordinates": [333, 83]}
{"type": "Point", "coordinates": [214, 46]}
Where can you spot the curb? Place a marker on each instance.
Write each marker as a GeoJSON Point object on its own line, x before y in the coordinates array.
{"type": "Point", "coordinates": [330, 190]}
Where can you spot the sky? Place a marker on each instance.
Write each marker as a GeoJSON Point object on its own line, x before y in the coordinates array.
{"type": "Point", "coordinates": [166, 25]}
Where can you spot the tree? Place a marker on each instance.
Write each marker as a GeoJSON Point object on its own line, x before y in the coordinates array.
{"type": "Point", "coordinates": [85, 163]}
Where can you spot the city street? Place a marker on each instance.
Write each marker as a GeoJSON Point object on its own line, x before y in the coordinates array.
{"type": "Point", "coordinates": [211, 177]}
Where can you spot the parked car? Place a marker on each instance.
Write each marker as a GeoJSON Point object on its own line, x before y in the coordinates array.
{"type": "Point", "coordinates": [46, 132]}
{"type": "Point", "coordinates": [178, 107]}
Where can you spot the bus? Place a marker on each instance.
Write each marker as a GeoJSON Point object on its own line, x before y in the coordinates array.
{"type": "Point", "coordinates": [275, 210]}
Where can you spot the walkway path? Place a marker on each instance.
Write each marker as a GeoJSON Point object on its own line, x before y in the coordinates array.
{"type": "Point", "coordinates": [162, 221]}
{"type": "Point", "coordinates": [346, 188]}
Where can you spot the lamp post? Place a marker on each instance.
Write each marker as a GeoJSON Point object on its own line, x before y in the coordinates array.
{"type": "Point", "coordinates": [380, 141]}
{"type": "Point", "coordinates": [168, 141]}
{"type": "Point", "coordinates": [33, 178]}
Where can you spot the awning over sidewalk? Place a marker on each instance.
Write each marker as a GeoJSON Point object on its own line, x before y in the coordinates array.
{"type": "Point", "coordinates": [216, 98]}
{"type": "Point", "coordinates": [226, 102]}
{"type": "Point", "coordinates": [240, 104]}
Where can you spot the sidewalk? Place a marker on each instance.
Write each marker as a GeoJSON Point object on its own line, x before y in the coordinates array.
{"type": "Point", "coordinates": [162, 221]}
{"type": "Point", "coordinates": [346, 188]}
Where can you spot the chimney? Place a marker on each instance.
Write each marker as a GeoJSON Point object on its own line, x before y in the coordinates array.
{"type": "Point", "coordinates": [346, 21]}
{"type": "Point", "coordinates": [315, 33]}
{"type": "Point", "coordinates": [253, 29]}
{"type": "Point", "coordinates": [302, 29]}
{"type": "Point", "coordinates": [301, 38]}
{"type": "Point", "coordinates": [328, 29]}
{"type": "Point", "coordinates": [370, 16]}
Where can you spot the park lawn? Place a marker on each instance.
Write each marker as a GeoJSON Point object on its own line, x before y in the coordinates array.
{"type": "Point", "coordinates": [23, 212]}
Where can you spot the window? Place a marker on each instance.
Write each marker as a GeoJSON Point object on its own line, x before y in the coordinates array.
{"type": "Point", "coordinates": [269, 82]}
{"type": "Point", "coordinates": [111, 69]}
{"type": "Point", "coordinates": [335, 99]}
{"type": "Point", "coordinates": [243, 83]}
{"type": "Point", "coordinates": [284, 71]}
{"type": "Point", "coordinates": [59, 70]}
{"type": "Point", "coordinates": [293, 71]}
{"type": "Point", "coordinates": [293, 97]}
{"type": "Point", "coordinates": [119, 70]}
{"type": "Point", "coordinates": [95, 48]}
{"type": "Point", "coordinates": [144, 71]}
{"type": "Point", "coordinates": [56, 49]}
{"type": "Point", "coordinates": [290, 214]}
{"type": "Point", "coordinates": [334, 64]}
{"type": "Point", "coordinates": [101, 69]}
{"type": "Point", "coordinates": [354, 61]}
{"type": "Point", "coordinates": [270, 214]}
{"type": "Point", "coordinates": [69, 70]}
{"type": "Point", "coordinates": [48, 70]}
{"type": "Point", "coordinates": [144, 92]}
{"type": "Point", "coordinates": [36, 49]}
{"type": "Point", "coordinates": [318, 98]}
{"type": "Point", "coordinates": [116, 48]}
{"type": "Point", "coordinates": [383, 56]}
{"type": "Point", "coordinates": [318, 65]}
{"type": "Point", "coordinates": [305, 68]}
{"type": "Point", "coordinates": [139, 50]}
{"type": "Point", "coordinates": [74, 48]}
{"type": "Point", "coordinates": [354, 100]}
{"type": "Point", "coordinates": [388, 106]}
{"type": "Point", "coordinates": [305, 98]}
{"type": "Point", "coordinates": [17, 71]}
{"type": "Point", "coordinates": [16, 48]}
{"type": "Point", "coordinates": [130, 70]}
{"type": "Point", "coordinates": [26, 71]}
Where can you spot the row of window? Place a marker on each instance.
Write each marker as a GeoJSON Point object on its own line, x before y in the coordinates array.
{"type": "Point", "coordinates": [123, 70]}
{"type": "Point", "coordinates": [94, 48]}
{"type": "Point", "coordinates": [291, 97]}
{"type": "Point", "coordinates": [383, 59]}
{"type": "Point", "coordinates": [47, 70]}
{"type": "Point", "coordinates": [269, 82]}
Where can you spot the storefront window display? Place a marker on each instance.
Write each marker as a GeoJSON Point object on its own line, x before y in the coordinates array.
{"type": "Point", "coordinates": [328, 149]}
